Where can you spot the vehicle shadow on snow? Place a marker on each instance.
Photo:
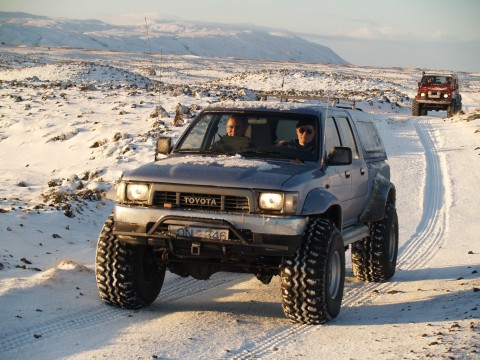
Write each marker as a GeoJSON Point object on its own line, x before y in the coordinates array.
{"type": "Point", "coordinates": [244, 296]}
{"type": "Point", "coordinates": [447, 306]}
{"type": "Point", "coordinates": [252, 308]}
{"type": "Point", "coordinates": [443, 273]}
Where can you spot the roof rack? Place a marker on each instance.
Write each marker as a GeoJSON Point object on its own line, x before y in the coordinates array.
{"type": "Point", "coordinates": [439, 73]}
{"type": "Point", "coordinates": [334, 100]}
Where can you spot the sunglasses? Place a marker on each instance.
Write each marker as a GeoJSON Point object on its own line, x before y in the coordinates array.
{"type": "Point", "coordinates": [303, 130]}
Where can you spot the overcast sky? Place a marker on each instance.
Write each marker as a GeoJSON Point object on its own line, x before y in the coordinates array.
{"type": "Point", "coordinates": [442, 34]}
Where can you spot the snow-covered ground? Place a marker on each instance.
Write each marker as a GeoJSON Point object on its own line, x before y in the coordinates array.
{"type": "Point", "coordinates": [71, 122]}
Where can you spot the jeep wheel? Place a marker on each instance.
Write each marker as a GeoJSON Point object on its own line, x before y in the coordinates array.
{"type": "Point", "coordinates": [374, 259]}
{"type": "Point", "coordinates": [127, 276]}
{"type": "Point", "coordinates": [451, 110]}
{"type": "Point", "coordinates": [313, 278]}
{"type": "Point", "coordinates": [415, 108]}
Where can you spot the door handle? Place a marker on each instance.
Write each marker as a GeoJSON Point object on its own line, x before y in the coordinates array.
{"type": "Point", "coordinates": [362, 171]}
{"type": "Point", "coordinates": [347, 174]}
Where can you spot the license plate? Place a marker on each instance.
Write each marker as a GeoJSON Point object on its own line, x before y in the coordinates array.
{"type": "Point", "coordinates": [199, 232]}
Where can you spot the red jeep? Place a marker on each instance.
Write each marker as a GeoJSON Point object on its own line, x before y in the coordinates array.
{"type": "Point", "coordinates": [437, 91]}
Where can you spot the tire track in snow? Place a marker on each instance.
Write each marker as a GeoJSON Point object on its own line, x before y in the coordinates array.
{"type": "Point", "coordinates": [59, 326]}
{"type": "Point", "coordinates": [416, 252]}
{"type": "Point", "coordinates": [422, 246]}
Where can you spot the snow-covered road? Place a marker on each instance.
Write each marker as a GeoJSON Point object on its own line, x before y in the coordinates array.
{"type": "Point", "coordinates": [49, 300]}
{"type": "Point", "coordinates": [234, 316]}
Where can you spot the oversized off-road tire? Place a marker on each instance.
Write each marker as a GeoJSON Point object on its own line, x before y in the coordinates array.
{"type": "Point", "coordinates": [415, 108]}
{"type": "Point", "coordinates": [451, 110]}
{"type": "Point", "coordinates": [374, 259]}
{"type": "Point", "coordinates": [313, 278]}
{"type": "Point", "coordinates": [458, 106]}
{"type": "Point", "coordinates": [127, 276]}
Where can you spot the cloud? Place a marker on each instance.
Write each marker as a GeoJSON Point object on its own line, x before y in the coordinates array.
{"type": "Point", "coordinates": [380, 33]}
{"type": "Point", "coordinates": [136, 18]}
{"type": "Point", "coordinates": [443, 35]}
{"type": "Point", "coordinates": [392, 32]}
{"type": "Point", "coordinates": [398, 34]}
{"type": "Point", "coordinates": [361, 33]}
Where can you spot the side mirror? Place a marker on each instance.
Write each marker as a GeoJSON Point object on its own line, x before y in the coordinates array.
{"type": "Point", "coordinates": [164, 146]}
{"type": "Point", "coordinates": [339, 155]}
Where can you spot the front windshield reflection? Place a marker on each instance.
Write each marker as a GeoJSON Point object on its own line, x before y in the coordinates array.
{"type": "Point", "coordinates": [257, 135]}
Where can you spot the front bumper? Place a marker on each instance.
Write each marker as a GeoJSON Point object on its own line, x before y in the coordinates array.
{"type": "Point", "coordinates": [261, 234]}
{"type": "Point", "coordinates": [435, 101]}
{"type": "Point", "coordinates": [437, 105]}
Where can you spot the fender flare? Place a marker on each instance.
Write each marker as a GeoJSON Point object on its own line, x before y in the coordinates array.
{"type": "Point", "coordinates": [320, 201]}
{"type": "Point", "coordinates": [383, 191]}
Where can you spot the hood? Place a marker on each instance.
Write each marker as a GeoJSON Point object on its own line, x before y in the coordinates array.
{"type": "Point", "coordinates": [220, 171]}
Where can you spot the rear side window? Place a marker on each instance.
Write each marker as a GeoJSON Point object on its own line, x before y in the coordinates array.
{"type": "Point", "coordinates": [369, 135]}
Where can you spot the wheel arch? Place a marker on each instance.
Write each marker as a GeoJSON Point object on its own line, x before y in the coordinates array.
{"type": "Point", "coordinates": [383, 192]}
{"type": "Point", "coordinates": [321, 203]}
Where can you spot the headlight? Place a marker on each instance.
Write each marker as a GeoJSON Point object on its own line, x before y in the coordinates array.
{"type": "Point", "coordinates": [278, 202]}
{"type": "Point", "coordinates": [445, 96]}
{"type": "Point", "coordinates": [270, 201]}
{"type": "Point", "coordinates": [422, 94]}
{"type": "Point", "coordinates": [137, 192]}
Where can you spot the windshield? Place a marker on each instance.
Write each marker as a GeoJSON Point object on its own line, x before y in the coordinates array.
{"type": "Point", "coordinates": [277, 135]}
{"type": "Point", "coordinates": [436, 80]}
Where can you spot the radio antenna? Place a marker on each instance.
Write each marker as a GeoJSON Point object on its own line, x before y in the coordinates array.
{"type": "Point", "coordinates": [152, 72]}
{"type": "Point", "coordinates": [284, 73]}
{"type": "Point", "coordinates": [324, 137]}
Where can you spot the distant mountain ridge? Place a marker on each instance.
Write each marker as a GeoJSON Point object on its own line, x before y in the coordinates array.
{"type": "Point", "coordinates": [168, 36]}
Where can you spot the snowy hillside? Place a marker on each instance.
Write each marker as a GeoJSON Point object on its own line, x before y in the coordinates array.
{"type": "Point", "coordinates": [169, 37]}
{"type": "Point", "coordinates": [73, 121]}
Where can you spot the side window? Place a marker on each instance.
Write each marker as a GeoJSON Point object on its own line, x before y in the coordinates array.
{"type": "Point", "coordinates": [331, 135]}
{"type": "Point", "coordinates": [348, 139]}
{"type": "Point", "coordinates": [196, 138]}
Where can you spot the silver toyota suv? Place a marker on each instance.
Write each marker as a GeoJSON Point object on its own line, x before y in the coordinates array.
{"type": "Point", "coordinates": [256, 201]}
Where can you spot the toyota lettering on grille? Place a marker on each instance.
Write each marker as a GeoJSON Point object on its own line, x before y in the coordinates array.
{"type": "Point", "coordinates": [192, 200]}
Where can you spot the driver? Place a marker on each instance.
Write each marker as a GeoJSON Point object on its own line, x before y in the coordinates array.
{"type": "Point", "coordinates": [236, 126]}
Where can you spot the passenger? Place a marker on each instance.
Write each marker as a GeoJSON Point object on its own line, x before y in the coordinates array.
{"type": "Point", "coordinates": [305, 137]}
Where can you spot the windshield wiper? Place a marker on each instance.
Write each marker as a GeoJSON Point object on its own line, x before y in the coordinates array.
{"type": "Point", "coordinates": [204, 151]}
{"type": "Point", "coordinates": [269, 154]}
{"type": "Point", "coordinates": [193, 150]}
